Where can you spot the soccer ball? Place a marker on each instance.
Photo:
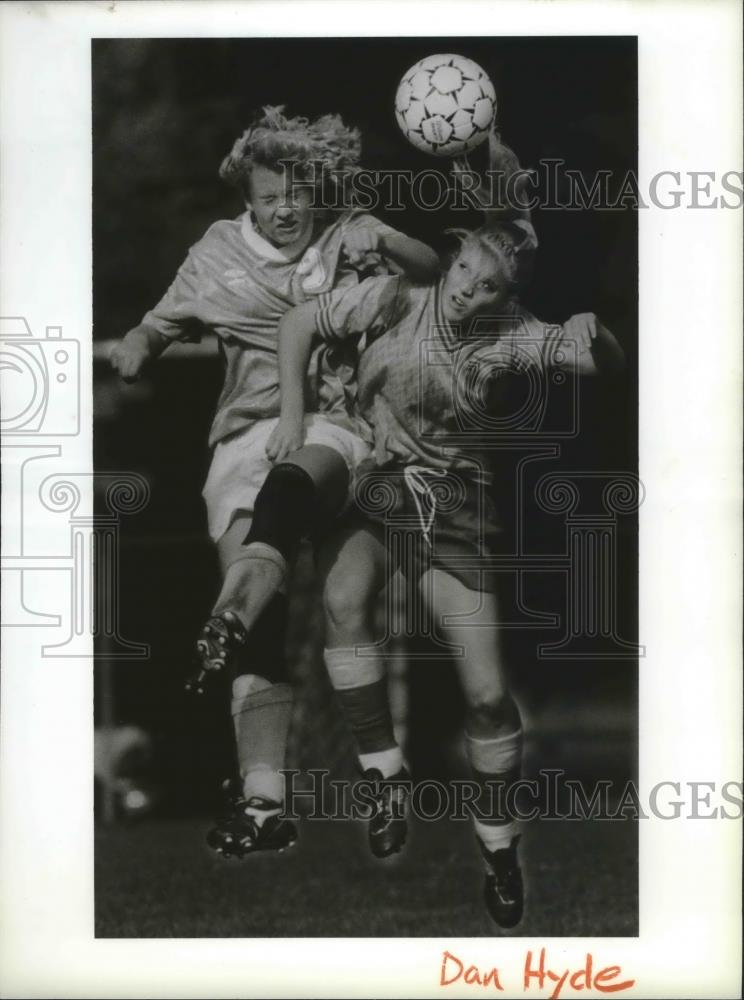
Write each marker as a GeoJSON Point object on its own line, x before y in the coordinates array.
{"type": "Point", "coordinates": [445, 105]}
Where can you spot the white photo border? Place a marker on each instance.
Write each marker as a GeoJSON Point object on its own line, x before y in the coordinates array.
{"type": "Point", "coordinates": [690, 115]}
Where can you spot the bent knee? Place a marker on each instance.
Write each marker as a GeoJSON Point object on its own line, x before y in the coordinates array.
{"type": "Point", "coordinates": [491, 707]}
{"type": "Point", "coordinates": [347, 604]}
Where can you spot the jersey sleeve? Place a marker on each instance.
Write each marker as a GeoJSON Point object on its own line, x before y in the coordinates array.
{"type": "Point", "coordinates": [364, 220]}
{"type": "Point", "coordinates": [549, 341]}
{"type": "Point", "coordinates": [534, 343]}
{"type": "Point", "coordinates": [560, 351]}
{"type": "Point", "coordinates": [368, 307]}
{"type": "Point", "coordinates": [377, 263]}
{"type": "Point", "coordinates": [175, 316]}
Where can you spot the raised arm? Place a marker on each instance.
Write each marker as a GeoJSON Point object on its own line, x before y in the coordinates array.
{"type": "Point", "coordinates": [297, 332]}
{"type": "Point", "coordinates": [416, 260]}
{"type": "Point", "coordinates": [504, 196]}
{"type": "Point", "coordinates": [411, 257]}
{"type": "Point", "coordinates": [346, 314]}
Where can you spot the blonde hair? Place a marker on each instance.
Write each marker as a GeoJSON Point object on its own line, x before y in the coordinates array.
{"type": "Point", "coordinates": [273, 138]}
{"type": "Point", "coordinates": [511, 245]}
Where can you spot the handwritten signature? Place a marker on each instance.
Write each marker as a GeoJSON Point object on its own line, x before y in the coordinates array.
{"type": "Point", "coordinates": [537, 974]}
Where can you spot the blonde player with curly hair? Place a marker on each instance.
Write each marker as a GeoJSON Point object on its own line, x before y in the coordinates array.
{"type": "Point", "coordinates": [238, 281]}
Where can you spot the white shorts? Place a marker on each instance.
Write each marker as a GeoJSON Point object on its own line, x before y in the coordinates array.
{"type": "Point", "coordinates": [240, 466]}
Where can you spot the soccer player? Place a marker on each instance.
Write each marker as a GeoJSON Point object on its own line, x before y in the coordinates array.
{"type": "Point", "coordinates": [435, 359]}
{"type": "Point", "coordinates": [238, 281]}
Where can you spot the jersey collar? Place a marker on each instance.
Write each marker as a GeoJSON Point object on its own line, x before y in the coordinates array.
{"type": "Point", "coordinates": [261, 246]}
{"type": "Point", "coordinates": [449, 332]}
{"type": "Point", "coordinates": [453, 334]}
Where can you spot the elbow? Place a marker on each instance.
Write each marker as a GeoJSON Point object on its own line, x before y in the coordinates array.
{"type": "Point", "coordinates": [612, 364]}
{"type": "Point", "coordinates": [298, 324]}
{"type": "Point", "coordinates": [616, 361]}
{"type": "Point", "coordinates": [428, 264]}
{"type": "Point", "coordinates": [418, 260]}
{"type": "Point", "coordinates": [151, 338]}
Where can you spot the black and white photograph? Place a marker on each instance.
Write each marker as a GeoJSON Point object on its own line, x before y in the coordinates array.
{"type": "Point", "coordinates": [370, 523]}
{"type": "Point", "coordinates": [409, 576]}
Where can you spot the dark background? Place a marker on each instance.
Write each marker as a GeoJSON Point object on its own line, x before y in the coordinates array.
{"type": "Point", "coordinates": [165, 112]}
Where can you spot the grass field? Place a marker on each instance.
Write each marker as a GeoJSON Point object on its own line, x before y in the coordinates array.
{"type": "Point", "coordinates": [158, 879]}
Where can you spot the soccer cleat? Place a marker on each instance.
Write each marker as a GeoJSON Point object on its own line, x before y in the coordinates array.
{"type": "Point", "coordinates": [503, 890]}
{"type": "Point", "coordinates": [388, 826]}
{"type": "Point", "coordinates": [242, 831]}
{"type": "Point", "coordinates": [222, 636]}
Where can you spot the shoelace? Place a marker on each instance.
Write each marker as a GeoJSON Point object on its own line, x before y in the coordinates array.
{"type": "Point", "coordinates": [416, 479]}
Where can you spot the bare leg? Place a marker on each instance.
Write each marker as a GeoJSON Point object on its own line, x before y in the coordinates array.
{"type": "Point", "coordinates": [309, 485]}
{"type": "Point", "coordinates": [493, 734]}
{"type": "Point", "coordinates": [354, 568]}
{"type": "Point", "coordinates": [254, 554]}
{"type": "Point", "coordinates": [491, 711]}
{"type": "Point", "coordinates": [228, 547]}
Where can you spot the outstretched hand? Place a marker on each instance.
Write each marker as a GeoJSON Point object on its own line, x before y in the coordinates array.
{"type": "Point", "coordinates": [583, 329]}
{"type": "Point", "coordinates": [503, 163]}
{"type": "Point", "coordinates": [598, 351]}
{"type": "Point", "coordinates": [359, 244]}
{"type": "Point", "coordinates": [500, 156]}
{"type": "Point", "coordinates": [471, 182]}
{"type": "Point", "coordinates": [128, 358]}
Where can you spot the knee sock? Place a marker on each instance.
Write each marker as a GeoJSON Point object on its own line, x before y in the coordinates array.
{"type": "Point", "coordinates": [361, 688]}
{"type": "Point", "coordinates": [261, 714]}
{"type": "Point", "coordinates": [264, 653]}
{"type": "Point", "coordinates": [261, 723]}
{"type": "Point", "coordinates": [287, 508]}
{"type": "Point", "coordinates": [496, 764]}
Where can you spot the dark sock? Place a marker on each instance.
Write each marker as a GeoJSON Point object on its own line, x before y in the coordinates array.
{"type": "Point", "coordinates": [368, 713]}
{"type": "Point", "coordinates": [361, 688]}
{"type": "Point", "coordinates": [264, 655]}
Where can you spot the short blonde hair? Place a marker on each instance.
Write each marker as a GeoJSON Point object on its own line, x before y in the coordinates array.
{"type": "Point", "coordinates": [273, 138]}
{"type": "Point", "coordinates": [512, 246]}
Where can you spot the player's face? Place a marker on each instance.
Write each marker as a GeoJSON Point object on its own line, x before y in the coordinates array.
{"type": "Point", "coordinates": [473, 286]}
{"type": "Point", "coordinates": [282, 211]}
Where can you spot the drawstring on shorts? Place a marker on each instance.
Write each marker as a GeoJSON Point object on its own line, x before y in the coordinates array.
{"type": "Point", "coordinates": [416, 479]}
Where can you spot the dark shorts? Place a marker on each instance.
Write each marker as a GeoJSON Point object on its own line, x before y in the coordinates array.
{"type": "Point", "coordinates": [432, 518]}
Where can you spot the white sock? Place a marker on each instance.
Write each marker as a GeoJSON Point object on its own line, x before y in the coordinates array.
{"type": "Point", "coordinates": [261, 815]}
{"type": "Point", "coordinates": [387, 762]}
{"type": "Point", "coordinates": [496, 838]}
{"type": "Point", "coordinates": [261, 714]}
{"type": "Point", "coordinates": [264, 783]}
{"type": "Point", "coordinates": [496, 754]}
